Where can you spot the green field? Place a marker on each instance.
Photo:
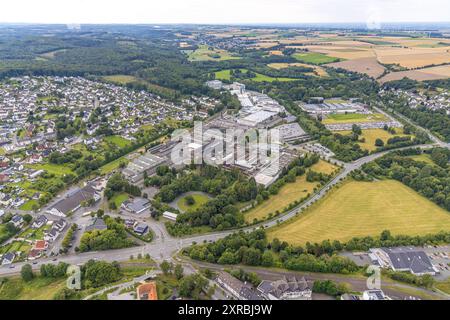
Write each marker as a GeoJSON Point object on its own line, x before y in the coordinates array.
{"type": "Point", "coordinates": [36, 289]}
{"type": "Point", "coordinates": [206, 53]}
{"type": "Point", "coordinates": [314, 58]}
{"type": "Point", "coordinates": [56, 169]}
{"type": "Point", "coordinates": [288, 194]}
{"type": "Point", "coordinates": [358, 209]}
{"type": "Point", "coordinates": [118, 141]}
{"type": "Point", "coordinates": [199, 199]}
{"type": "Point", "coordinates": [28, 206]}
{"type": "Point", "coordinates": [354, 118]}
{"type": "Point", "coordinates": [225, 75]}
{"type": "Point", "coordinates": [119, 199]}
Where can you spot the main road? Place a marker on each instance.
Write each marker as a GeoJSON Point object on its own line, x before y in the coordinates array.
{"type": "Point", "coordinates": [164, 246]}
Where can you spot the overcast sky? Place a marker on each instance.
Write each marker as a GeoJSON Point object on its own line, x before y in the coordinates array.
{"type": "Point", "coordinates": [223, 11]}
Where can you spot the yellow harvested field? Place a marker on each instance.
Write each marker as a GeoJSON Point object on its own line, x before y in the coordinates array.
{"type": "Point", "coordinates": [432, 73]}
{"type": "Point", "coordinates": [287, 194]}
{"type": "Point", "coordinates": [276, 53]}
{"type": "Point", "coordinates": [413, 57]}
{"type": "Point", "coordinates": [359, 209]}
{"type": "Point", "coordinates": [369, 66]}
{"type": "Point", "coordinates": [324, 167]}
{"type": "Point", "coordinates": [371, 135]}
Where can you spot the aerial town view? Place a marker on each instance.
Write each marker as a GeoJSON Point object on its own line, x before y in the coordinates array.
{"type": "Point", "coordinates": [225, 155]}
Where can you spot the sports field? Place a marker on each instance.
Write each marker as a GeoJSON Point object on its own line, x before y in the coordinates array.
{"type": "Point", "coordinates": [354, 118]}
{"type": "Point", "coordinates": [359, 209]}
{"type": "Point", "coordinates": [288, 194]}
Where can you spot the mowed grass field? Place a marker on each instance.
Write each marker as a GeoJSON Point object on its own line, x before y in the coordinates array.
{"type": "Point", "coordinates": [314, 58]}
{"type": "Point", "coordinates": [371, 135]}
{"type": "Point", "coordinates": [359, 209]}
{"type": "Point", "coordinates": [199, 198]}
{"type": "Point", "coordinates": [354, 118]}
{"type": "Point", "coordinates": [288, 194]}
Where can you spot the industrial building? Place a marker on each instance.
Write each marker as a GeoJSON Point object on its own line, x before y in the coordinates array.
{"type": "Point", "coordinates": [403, 259]}
{"type": "Point", "coordinates": [148, 163]}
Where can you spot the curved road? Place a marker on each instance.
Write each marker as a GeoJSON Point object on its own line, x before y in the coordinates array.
{"type": "Point", "coordinates": [164, 246]}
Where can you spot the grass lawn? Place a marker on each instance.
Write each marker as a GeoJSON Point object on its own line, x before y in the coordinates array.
{"type": "Point", "coordinates": [358, 209]}
{"type": "Point", "coordinates": [287, 194]}
{"type": "Point", "coordinates": [56, 169]}
{"type": "Point", "coordinates": [206, 53]}
{"type": "Point", "coordinates": [223, 75]}
{"type": "Point", "coordinates": [118, 141]}
{"type": "Point", "coordinates": [354, 118]}
{"type": "Point", "coordinates": [119, 199]}
{"type": "Point", "coordinates": [113, 165]}
{"type": "Point", "coordinates": [199, 198]}
{"type": "Point", "coordinates": [28, 206]}
{"type": "Point", "coordinates": [2, 152]}
{"type": "Point", "coordinates": [37, 289]}
{"type": "Point", "coordinates": [314, 58]}
{"type": "Point", "coordinates": [371, 135]}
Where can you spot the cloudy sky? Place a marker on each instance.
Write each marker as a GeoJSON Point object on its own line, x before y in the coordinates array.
{"type": "Point", "coordinates": [223, 11]}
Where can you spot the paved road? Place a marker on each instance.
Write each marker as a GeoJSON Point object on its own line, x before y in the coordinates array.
{"type": "Point", "coordinates": [164, 246]}
{"type": "Point", "coordinates": [392, 289]}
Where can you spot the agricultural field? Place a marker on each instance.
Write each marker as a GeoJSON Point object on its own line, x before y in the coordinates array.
{"type": "Point", "coordinates": [314, 58]}
{"type": "Point", "coordinates": [371, 135]}
{"type": "Point", "coordinates": [358, 209]}
{"type": "Point", "coordinates": [205, 53]}
{"type": "Point", "coordinates": [354, 118]}
{"type": "Point", "coordinates": [425, 74]}
{"type": "Point", "coordinates": [288, 194]}
{"type": "Point", "coordinates": [369, 66]}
